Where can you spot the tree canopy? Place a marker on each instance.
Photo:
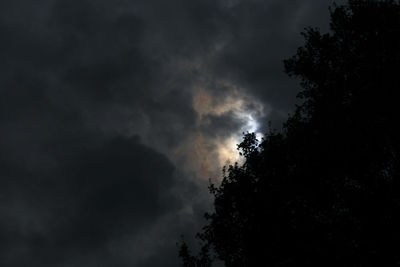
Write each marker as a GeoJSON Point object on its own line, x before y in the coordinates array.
{"type": "Point", "coordinates": [325, 190]}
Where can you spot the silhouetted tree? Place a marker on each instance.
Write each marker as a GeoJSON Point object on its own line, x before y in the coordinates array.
{"type": "Point", "coordinates": [325, 191]}
{"type": "Point", "coordinates": [203, 259]}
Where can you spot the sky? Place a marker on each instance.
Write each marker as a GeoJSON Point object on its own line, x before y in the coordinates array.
{"type": "Point", "coordinates": [114, 115]}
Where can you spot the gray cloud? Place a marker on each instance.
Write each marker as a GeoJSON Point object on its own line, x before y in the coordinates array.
{"type": "Point", "coordinates": [110, 112]}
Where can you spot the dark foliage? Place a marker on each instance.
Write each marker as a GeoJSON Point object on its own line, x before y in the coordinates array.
{"type": "Point", "coordinates": [325, 191]}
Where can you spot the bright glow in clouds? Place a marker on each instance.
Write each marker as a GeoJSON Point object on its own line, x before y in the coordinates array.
{"type": "Point", "coordinates": [219, 149]}
{"type": "Point", "coordinates": [227, 149]}
{"type": "Point", "coordinates": [252, 126]}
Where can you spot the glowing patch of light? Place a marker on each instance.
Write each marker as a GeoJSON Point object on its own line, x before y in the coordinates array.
{"type": "Point", "coordinates": [227, 149]}
{"type": "Point", "coordinates": [252, 126]}
{"type": "Point", "coordinates": [213, 153]}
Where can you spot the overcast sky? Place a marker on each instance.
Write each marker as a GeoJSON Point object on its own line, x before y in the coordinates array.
{"type": "Point", "coordinates": [114, 115]}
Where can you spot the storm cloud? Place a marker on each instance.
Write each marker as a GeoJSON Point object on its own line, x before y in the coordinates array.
{"type": "Point", "coordinates": [114, 114]}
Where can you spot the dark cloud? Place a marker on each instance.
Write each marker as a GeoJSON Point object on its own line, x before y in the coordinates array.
{"type": "Point", "coordinates": [104, 103]}
{"type": "Point", "coordinates": [222, 125]}
{"type": "Point", "coordinates": [99, 191]}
